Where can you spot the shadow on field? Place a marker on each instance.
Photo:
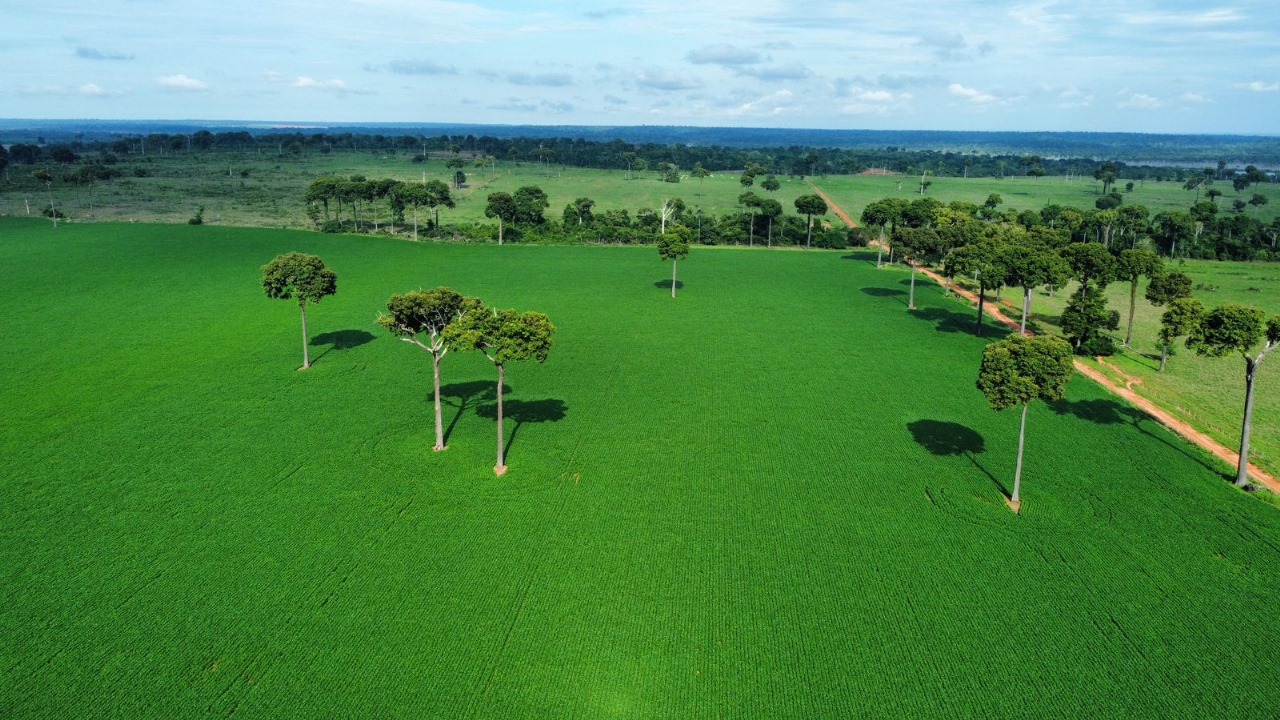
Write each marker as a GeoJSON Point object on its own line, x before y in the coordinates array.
{"type": "Point", "coordinates": [524, 411]}
{"type": "Point", "coordinates": [468, 395]}
{"type": "Point", "coordinates": [666, 284]}
{"type": "Point", "coordinates": [947, 438]}
{"type": "Point", "coordinates": [341, 340]}
{"type": "Point", "coordinates": [885, 292]}
{"type": "Point", "coordinates": [1110, 412]}
{"type": "Point", "coordinates": [864, 255]}
{"type": "Point", "coordinates": [949, 321]}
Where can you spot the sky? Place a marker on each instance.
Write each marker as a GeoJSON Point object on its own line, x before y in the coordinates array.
{"type": "Point", "coordinates": [1153, 66]}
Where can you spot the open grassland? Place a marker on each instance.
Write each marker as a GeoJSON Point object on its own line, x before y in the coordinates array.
{"type": "Point", "coordinates": [270, 194]}
{"type": "Point", "coordinates": [776, 496]}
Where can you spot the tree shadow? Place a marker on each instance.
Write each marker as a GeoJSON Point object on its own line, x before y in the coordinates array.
{"type": "Point", "coordinates": [1110, 412]}
{"type": "Point", "coordinates": [947, 438]}
{"type": "Point", "coordinates": [524, 411]}
{"type": "Point", "coordinates": [341, 340]}
{"type": "Point", "coordinates": [666, 284]}
{"type": "Point", "coordinates": [883, 292]}
{"type": "Point", "coordinates": [467, 394]}
{"type": "Point", "coordinates": [864, 255]}
{"type": "Point", "coordinates": [949, 321]}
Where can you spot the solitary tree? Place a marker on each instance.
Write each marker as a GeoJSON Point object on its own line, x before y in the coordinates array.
{"type": "Point", "coordinates": [1030, 266]}
{"type": "Point", "coordinates": [1016, 371]}
{"type": "Point", "coordinates": [502, 206]}
{"type": "Point", "coordinates": [304, 277]}
{"type": "Point", "coordinates": [674, 246]}
{"type": "Point", "coordinates": [810, 205]}
{"type": "Point", "coordinates": [503, 336]}
{"type": "Point", "coordinates": [1131, 266]}
{"type": "Point", "coordinates": [751, 202]}
{"type": "Point", "coordinates": [420, 317]}
{"type": "Point", "coordinates": [1239, 328]}
{"type": "Point", "coordinates": [1181, 317]}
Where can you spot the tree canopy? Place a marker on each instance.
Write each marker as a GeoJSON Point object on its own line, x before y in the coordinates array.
{"type": "Point", "coordinates": [302, 277]}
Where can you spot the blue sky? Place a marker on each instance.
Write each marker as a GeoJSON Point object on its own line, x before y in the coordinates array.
{"type": "Point", "coordinates": [1095, 65]}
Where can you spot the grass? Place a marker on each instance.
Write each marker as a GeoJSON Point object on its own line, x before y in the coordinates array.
{"type": "Point", "coordinates": [776, 496]}
{"type": "Point", "coordinates": [271, 194]}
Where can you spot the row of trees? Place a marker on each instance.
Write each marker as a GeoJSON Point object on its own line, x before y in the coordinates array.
{"type": "Point", "coordinates": [356, 191]}
{"type": "Point", "coordinates": [436, 321]}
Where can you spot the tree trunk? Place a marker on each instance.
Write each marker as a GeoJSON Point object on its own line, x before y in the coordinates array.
{"type": "Point", "coordinates": [306, 356]}
{"type": "Point", "coordinates": [770, 240]}
{"type": "Point", "coordinates": [911, 299]}
{"type": "Point", "coordinates": [982, 297]}
{"type": "Point", "coordinates": [1026, 309]}
{"type": "Point", "coordinates": [501, 467]}
{"type": "Point", "coordinates": [1164, 354]}
{"type": "Point", "coordinates": [880, 254]}
{"type": "Point", "coordinates": [1017, 473]}
{"type": "Point", "coordinates": [751, 231]}
{"type": "Point", "coordinates": [808, 238]}
{"type": "Point", "coordinates": [435, 366]}
{"type": "Point", "coordinates": [499, 229]}
{"type": "Point", "coordinates": [673, 276]}
{"type": "Point", "coordinates": [415, 223]}
{"type": "Point", "coordinates": [1242, 467]}
{"type": "Point", "coordinates": [1133, 302]}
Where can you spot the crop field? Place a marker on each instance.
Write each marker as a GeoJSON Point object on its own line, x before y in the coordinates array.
{"type": "Point", "coordinates": [778, 495]}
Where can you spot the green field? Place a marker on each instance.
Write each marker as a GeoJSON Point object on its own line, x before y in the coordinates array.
{"type": "Point", "coordinates": [776, 496]}
{"type": "Point", "coordinates": [271, 195]}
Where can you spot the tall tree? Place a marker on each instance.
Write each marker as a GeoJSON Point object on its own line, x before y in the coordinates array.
{"type": "Point", "coordinates": [420, 317]}
{"type": "Point", "coordinates": [751, 202]}
{"type": "Point", "coordinates": [530, 201]}
{"type": "Point", "coordinates": [771, 210]}
{"type": "Point", "coordinates": [1016, 371]}
{"type": "Point", "coordinates": [304, 277]}
{"type": "Point", "coordinates": [917, 245]}
{"type": "Point", "coordinates": [1029, 266]}
{"type": "Point", "coordinates": [1131, 267]}
{"type": "Point", "coordinates": [674, 246]}
{"type": "Point", "coordinates": [437, 195]}
{"type": "Point", "coordinates": [1181, 318]}
{"type": "Point", "coordinates": [810, 205]}
{"type": "Point", "coordinates": [1239, 329]}
{"type": "Point", "coordinates": [881, 213]}
{"type": "Point", "coordinates": [503, 336]}
{"type": "Point", "coordinates": [502, 206]}
{"type": "Point", "coordinates": [984, 260]}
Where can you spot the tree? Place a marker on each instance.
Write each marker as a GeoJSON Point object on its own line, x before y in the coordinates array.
{"type": "Point", "coordinates": [1030, 266]}
{"type": "Point", "coordinates": [502, 206]}
{"type": "Point", "coordinates": [751, 202]}
{"type": "Point", "coordinates": [1258, 200]}
{"type": "Point", "coordinates": [437, 195]}
{"type": "Point", "coordinates": [917, 245]}
{"type": "Point", "coordinates": [1016, 371]}
{"type": "Point", "coordinates": [579, 211]}
{"type": "Point", "coordinates": [503, 336]}
{"type": "Point", "coordinates": [985, 261]}
{"type": "Point", "coordinates": [881, 213]}
{"type": "Point", "coordinates": [44, 177]}
{"type": "Point", "coordinates": [1181, 317]}
{"type": "Point", "coordinates": [297, 275]}
{"type": "Point", "coordinates": [456, 164]}
{"type": "Point", "coordinates": [530, 201]}
{"type": "Point", "coordinates": [420, 317]}
{"type": "Point", "coordinates": [674, 246]}
{"type": "Point", "coordinates": [1107, 174]}
{"type": "Point", "coordinates": [1165, 287]}
{"type": "Point", "coordinates": [630, 159]}
{"type": "Point", "coordinates": [770, 184]}
{"type": "Point", "coordinates": [770, 209]}
{"type": "Point", "coordinates": [810, 205]}
{"type": "Point", "coordinates": [1132, 266]}
{"type": "Point", "coordinates": [1238, 328]}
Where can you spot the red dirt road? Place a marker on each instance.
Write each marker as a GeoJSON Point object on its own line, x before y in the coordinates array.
{"type": "Point", "coordinates": [1158, 413]}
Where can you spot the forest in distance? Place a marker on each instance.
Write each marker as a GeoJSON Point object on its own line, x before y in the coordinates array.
{"type": "Point", "coordinates": [1132, 148]}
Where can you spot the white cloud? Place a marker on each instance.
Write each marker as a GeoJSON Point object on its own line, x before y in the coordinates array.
{"type": "Point", "coordinates": [660, 79]}
{"type": "Point", "coordinates": [182, 82]}
{"type": "Point", "coordinates": [876, 96]}
{"type": "Point", "coordinates": [93, 90]}
{"type": "Point", "coordinates": [776, 104]}
{"type": "Point", "coordinates": [1191, 97]}
{"type": "Point", "coordinates": [335, 86]}
{"type": "Point", "coordinates": [1141, 101]}
{"type": "Point", "coordinates": [974, 96]}
{"type": "Point", "coordinates": [1211, 17]}
{"type": "Point", "coordinates": [1259, 86]}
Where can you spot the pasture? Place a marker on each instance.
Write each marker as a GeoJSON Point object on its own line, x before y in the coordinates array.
{"type": "Point", "coordinates": [776, 496]}
{"type": "Point", "coordinates": [270, 192]}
